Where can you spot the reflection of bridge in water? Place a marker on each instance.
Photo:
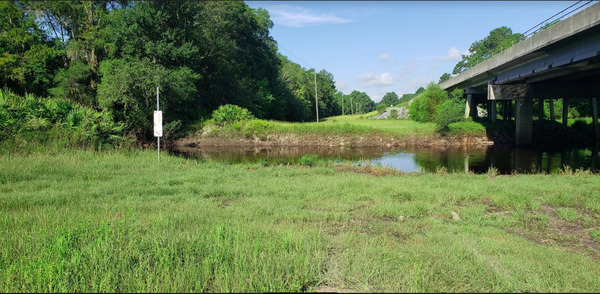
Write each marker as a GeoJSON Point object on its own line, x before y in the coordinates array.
{"type": "Point", "coordinates": [505, 159]}
{"type": "Point", "coordinates": [560, 62]}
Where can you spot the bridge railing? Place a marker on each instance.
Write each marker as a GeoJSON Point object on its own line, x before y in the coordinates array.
{"type": "Point", "coordinates": [556, 18]}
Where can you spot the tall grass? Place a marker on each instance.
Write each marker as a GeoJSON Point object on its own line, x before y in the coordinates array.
{"type": "Point", "coordinates": [119, 221]}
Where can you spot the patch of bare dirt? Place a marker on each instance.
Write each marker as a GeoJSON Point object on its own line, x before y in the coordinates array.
{"type": "Point", "coordinates": [371, 170]}
{"type": "Point", "coordinates": [497, 209]}
{"type": "Point", "coordinates": [573, 236]}
{"type": "Point", "coordinates": [330, 289]}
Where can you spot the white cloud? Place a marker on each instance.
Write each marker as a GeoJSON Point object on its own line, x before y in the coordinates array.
{"type": "Point", "coordinates": [341, 85]}
{"type": "Point", "coordinates": [409, 67]}
{"type": "Point", "coordinates": [294, 16]}
{"type": "Point", "coordinates": [372, 79]}
{"type": "Point", "coordinates": [453, 55]}
{"type": "Point", "coordinates": [384, 57]}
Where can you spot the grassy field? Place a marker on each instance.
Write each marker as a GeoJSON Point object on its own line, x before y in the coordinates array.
{"type": "Point", "coordinates": [118, 221]}
{"type": "Point", "coordinates": [404, 127]}
{"type": "Point", "coordinates": [347, 126]}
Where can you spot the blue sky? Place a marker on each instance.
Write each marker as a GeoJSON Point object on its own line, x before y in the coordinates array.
{"type": "Point", "coordinates": [382, 46]}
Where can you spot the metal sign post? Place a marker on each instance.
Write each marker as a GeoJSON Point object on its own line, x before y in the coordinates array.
{"type": "Point", "coordinates": [158, 131]}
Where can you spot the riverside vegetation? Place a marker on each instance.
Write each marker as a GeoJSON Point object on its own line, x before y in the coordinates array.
{"type": "Point", "coordinates": [83, 210]}
{"type": "Point", "coordinates": [231, 124]}
{"type": "Point", "coordinates": [118, 221]}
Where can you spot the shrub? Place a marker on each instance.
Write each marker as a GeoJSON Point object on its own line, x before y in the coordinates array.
{"type": "Point", "coordinates": [308, 160]}
{"type": "Point", "coordinates": [466, 128]}
{"type": "Point", "coordinates": [172, 129]}
{"type": "Point", "coordinates": [380, 108]}
{"type": "Point", "coordinates": [229, 113]}
{"type": "Point", "coordinates": [424, 108]}
{"type": "Point", "coordinates": [43, 120]}
{"type": "Point", "coordinates": [256, 128]}
{"type": "Point", "coordinates": [393, 114]}
{"type": "Point", "coordinates": [450, 111]}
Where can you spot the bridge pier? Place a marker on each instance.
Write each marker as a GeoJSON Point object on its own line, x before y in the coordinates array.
{"type": "Point", "coordinates": [507, 109]}
{"type": "Point", "coordinates": [523, 160]}
{"type": "Point", "coordinates": [565, 112]}
{"type": "Point", "coordinates": [541, 110]}
{"type": "Point", "coordinates": [523, 121]}
{"type": "Point", "coordinates": [471, 106]}
{"type": "Point", "coordinates": [551, 105]}
{"type": "Point", "coordinates": [595, 119]}
{"type": "Point", "coordinates": [468, 105]}
{"type": "Point", "coordinates": [492, 110]}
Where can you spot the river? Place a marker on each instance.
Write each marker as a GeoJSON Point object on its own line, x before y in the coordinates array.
{"type": "Point", "coordinates": [505, 159]}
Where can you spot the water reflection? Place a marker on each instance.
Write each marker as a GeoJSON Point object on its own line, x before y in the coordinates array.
{"type": "Point", "coordinates": [505, 159]}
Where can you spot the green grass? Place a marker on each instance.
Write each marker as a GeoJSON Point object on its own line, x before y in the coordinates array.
{"type": "Point", "coordinates": [347, 125]}
{"type": "Point", "coordinates": [118, 221]}
{"type": "Point", "coordinates": [403, 127]}
{"type": "Point", "coordinates": [466, 128]}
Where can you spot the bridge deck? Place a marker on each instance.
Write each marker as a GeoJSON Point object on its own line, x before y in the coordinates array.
{"type": "Point", "coordinates": [546, 50]}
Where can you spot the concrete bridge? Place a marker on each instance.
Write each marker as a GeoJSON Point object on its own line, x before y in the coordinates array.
{"type": "Point", "coordinates": [560, 62]}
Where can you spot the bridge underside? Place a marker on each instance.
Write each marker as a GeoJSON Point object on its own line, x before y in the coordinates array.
{"type": "Point", "coordinates": [560, 62]}
{"type": "Point", "coordinates": [579, 80]}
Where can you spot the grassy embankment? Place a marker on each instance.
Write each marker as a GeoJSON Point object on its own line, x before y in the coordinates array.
{"type": "Point", "coordinates": [355, 130]}
{"type": "Point", "coordinates": [118, 221]}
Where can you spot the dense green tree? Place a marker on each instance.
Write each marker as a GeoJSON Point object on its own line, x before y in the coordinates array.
{"type": "Point", "coordinates": [328, 106]}
{"type": "Point", "coordinates": [76, 28]}
{"type": "Point", "coordinates": [27, 59]}
{"type": "Point", "coordinates": [424, 108]}
{"type": "Point", "coordinates": [222, 48]}
{"type": "Point", "coordinates": [408, 97]}
{"type": "Point", "coordinates": [361, 102]}
{"type": "Point", "coordinates": [446, 76]}
{"type": "Point", "coordinates": [390, 99]}
{"type": "Point", "coordinates": [499, 39]}
{"type": "Point", "coordinates": [298, 92]}
{"type": "Point", "coordinates": [111, 55]}
{"type": "Point", "coordinates": [128, 91]}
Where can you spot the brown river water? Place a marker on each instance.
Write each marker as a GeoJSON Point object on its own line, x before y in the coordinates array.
{"type": "Point", "coordinates": [506, 159]}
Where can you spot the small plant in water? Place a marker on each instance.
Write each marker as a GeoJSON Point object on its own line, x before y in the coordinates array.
{"type": "Point", "coordinates": [308, 160]}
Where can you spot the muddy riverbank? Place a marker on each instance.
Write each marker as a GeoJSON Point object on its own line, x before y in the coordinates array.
{"type": "Point", "coordinates": [363, 140]}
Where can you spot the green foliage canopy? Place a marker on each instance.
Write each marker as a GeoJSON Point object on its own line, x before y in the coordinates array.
{"type": "Point", "coordinates": [424, 107]}
{"type": "Point", "coordinates": [499, 39]}
{"type": "Point", "coordinates": [390, 99]}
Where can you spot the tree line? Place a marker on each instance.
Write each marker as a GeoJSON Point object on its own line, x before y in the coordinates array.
{"type": "Point", "coordinates": [111, 55]}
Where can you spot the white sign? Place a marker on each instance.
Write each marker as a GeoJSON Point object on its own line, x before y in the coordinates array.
{"type": "Point", "coordinates": [158, 130]}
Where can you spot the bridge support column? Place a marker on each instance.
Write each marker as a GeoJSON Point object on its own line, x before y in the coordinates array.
{"type": "Point", "coordinates": [565, 113]}
{"type": "Point", "coordinates": [505, 110]}
{"type": "Point", "coordinates": [492, 111]}
{"type": "Point", "coordinates": [523, 160]}
{"type": "Point", "coordinates": [541, 110]}
{"type": "Point", "coordinates": [595, 119]}
{"type": "Point", "coordinates": [551, 101]}
{"type": "Point", "coordinates": [468, 105]}
{"type": "Point", "coordinates": [523, 121]}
